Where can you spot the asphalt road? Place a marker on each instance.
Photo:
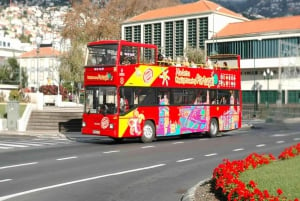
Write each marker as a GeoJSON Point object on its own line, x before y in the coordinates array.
{"type": "Point", "coordinates": [98, 169]}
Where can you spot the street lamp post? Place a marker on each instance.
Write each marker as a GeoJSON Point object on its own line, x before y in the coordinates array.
{"type": "Point", "coordinates": [213, 32]}
{"type": "Point", "coordinates": [39, 97]}
{"type": "Point", "coordinates": [268, 74]}
{"type": "Point", "coordinates": [256, 53]}
{"type": "Point", "coordinates": [254, 84]}
{"type": "Point", "coordinates": [38, 44]}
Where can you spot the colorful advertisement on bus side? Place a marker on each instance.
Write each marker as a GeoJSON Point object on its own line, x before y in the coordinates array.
{"type": "Point", "coordinates": [159, 76]}
{"type": "Point", "coordinates": [172, 120]}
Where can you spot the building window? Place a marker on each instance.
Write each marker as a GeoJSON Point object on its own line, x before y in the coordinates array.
{"type": "Point", "coordinates": [169, 39]}
{"type": "Point", "coordinates": [148, 33]}
{"type": "Point", "coordinates": [179, 38]}
{"type": "Point", "coordinates": [203, 31]}
{"type": "Point", "coordinates": [192, 33]}
{"type": "Point", "coordinates": [137, 33]}
{"type": "Point", "coordinates": [157, 34]}
{"type": "Point", "coordinates": [128, 33]}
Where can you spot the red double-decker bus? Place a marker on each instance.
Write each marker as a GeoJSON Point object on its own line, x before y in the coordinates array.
{"type": "Point", "coordinates": [131, 93]}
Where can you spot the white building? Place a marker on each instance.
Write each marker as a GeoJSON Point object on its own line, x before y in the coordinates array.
{"type": "Point", "coordinates": [10, 47]}
{"type": "Point", "coordinates": [264, 44]}
{"type": "Point", "coordinates": [42, 66]}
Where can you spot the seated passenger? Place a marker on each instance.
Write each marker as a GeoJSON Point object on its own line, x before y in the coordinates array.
{"type": "Point", "coordinates": [223, 100]}
{"type": "Point", "coordinates": [125, 61]}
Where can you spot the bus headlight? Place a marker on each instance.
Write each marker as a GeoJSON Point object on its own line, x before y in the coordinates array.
{"type": "Point", "coordinates": [83, 124]}
{"type": "Point", "coordinates": [111, 126]}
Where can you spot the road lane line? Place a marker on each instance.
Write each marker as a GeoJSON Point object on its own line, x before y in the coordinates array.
{"type": "Point", "coordinates": [79, 181]}
{"type": "Point", "coordinates": [6, 147]}
{"type": "Point", "coordinates": [147, 147]}
{"type": "Point", "coordinates": [212, 154]}
{"type": "Point", "coordinates": [296, 139]}
{"type": "Point", "coordinates": [280, 142]}
{"type": "Point", "coordinates": [260, 145]}
{"type": "Point", "coordinates": [67, 158]}
{"type": "Point", "coordinates": [113, 151]}
{"type": "Point", "coordinates": [184, 160]}
{"type": "Point", "coordinates": [18, 165]}
{"type": "Point", "coordinates": [178, 142]}
{"type": "Point", "coordinates": [5, 180]}
{"type": "Point", "coordinates": [239, 149]}
{"type": "Point", "coordinates": [279, 135]}
{"type": "Point", "coordinates": [12, 145]}
{"type": "Point", "coordinates": [25, 143]}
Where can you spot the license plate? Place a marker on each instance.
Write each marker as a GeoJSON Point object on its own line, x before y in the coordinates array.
{"type": "Point", "coordinates": [96, 132]}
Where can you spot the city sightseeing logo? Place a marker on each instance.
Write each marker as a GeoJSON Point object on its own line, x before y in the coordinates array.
{"type": "Point", "coordinates": [148, 75]}
{"type": "Point", "coordinates": [100, 77]}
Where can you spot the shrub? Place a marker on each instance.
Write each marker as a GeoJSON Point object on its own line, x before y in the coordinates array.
{"type": "Point", "coordinates": [14, 95]}
{"type": "Point", "coordinates": [53, 90]}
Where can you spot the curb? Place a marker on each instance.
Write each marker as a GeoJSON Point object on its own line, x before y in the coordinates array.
{"type": "Point", "coordinates": [190, 194]}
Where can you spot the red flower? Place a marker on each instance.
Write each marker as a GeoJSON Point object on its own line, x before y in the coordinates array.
{"type": "Point", "coordinates": [279, 191]}
{"type": "Point", "coordinates": [266, 194]}
{"type": "Point", "coordinates": [252, 184]}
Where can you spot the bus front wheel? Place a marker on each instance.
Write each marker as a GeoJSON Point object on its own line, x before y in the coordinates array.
{"type": "Point", "coordinates": [213, 128]}
{"type": "Point", "coordinates": [148, 132]}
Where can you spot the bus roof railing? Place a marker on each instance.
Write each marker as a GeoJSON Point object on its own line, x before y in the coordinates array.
{"type": "Point", "coordinates": [122, 42]}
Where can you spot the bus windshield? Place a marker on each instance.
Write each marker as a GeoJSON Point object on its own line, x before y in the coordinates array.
{"type": "Point", "coordinates": [100, 100]}
{"type": "Point", "coordinates": [104, 54]}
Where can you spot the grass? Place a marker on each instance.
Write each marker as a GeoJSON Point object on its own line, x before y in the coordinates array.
{"type": "Point", "coordinates": [283, 174]}
{"type": "Point", "coordinates": [22, 108]}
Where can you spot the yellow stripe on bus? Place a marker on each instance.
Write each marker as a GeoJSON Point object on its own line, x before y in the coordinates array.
{"type": "Point", "coordinates": [145, 75]}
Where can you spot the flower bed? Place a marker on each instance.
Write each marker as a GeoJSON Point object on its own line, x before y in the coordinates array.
{"type": "Point", "coordinates": [226, 176]}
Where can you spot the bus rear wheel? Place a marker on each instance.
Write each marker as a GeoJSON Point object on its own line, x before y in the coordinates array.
{"type": "Point", "coordinates": [213, 128]}
{"type": "Point", "coordinates": [148, 132]}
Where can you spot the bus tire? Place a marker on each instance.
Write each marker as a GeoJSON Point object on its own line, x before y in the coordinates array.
{"type": "Point", "coordinates": [148, 132]}
{"type": "Point", "coordinates": [213, 128]}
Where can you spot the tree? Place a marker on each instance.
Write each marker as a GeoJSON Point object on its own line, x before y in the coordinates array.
{"type": "Point", "coordinates": [72, 64]}
{"type": "Point", "coordinates": [195, 54]}
{"type": "Point", "coordinates": [10, 71]}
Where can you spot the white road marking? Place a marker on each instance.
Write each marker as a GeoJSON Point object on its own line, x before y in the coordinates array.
{"type": "Point", "coordinates": [147, 147]}
{"type": "Point", "coordinates": [78, 181]}
{"type": "Point", "coordinates": [5, 180]}
{"type": "Point", "coordinates": [25, 143]}
{"type": "Point", "coordinates": [12, 145]}
{"type": "Point", "coordinates": [279, 135]}
{"type": "Point", "coordinates": [67, 158]}
{"type": "Point", "coordinates": [6, 147]}
{"type": "Point", "coordinates": [113, 151]}
{"type": "Point", "coordinates": [18, 165]}
{"type": "Point", "coordinates": [183, 160]}
{"type": "Point", "coordinates": [280, 142]}
{"type": "Point", "coordinates": [260, 145]}
{"type": "Point", "coordinates": [296, 139]}
{"type": "Point", "coordinates": [239, 149]}
{"type": "Point", "coordinates": [212, 154]}
{"type": "Point", "coordinates": [178, 142]}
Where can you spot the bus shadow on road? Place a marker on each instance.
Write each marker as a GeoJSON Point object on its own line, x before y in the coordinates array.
{"type": "Point", "coordinates": [102, 140]}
